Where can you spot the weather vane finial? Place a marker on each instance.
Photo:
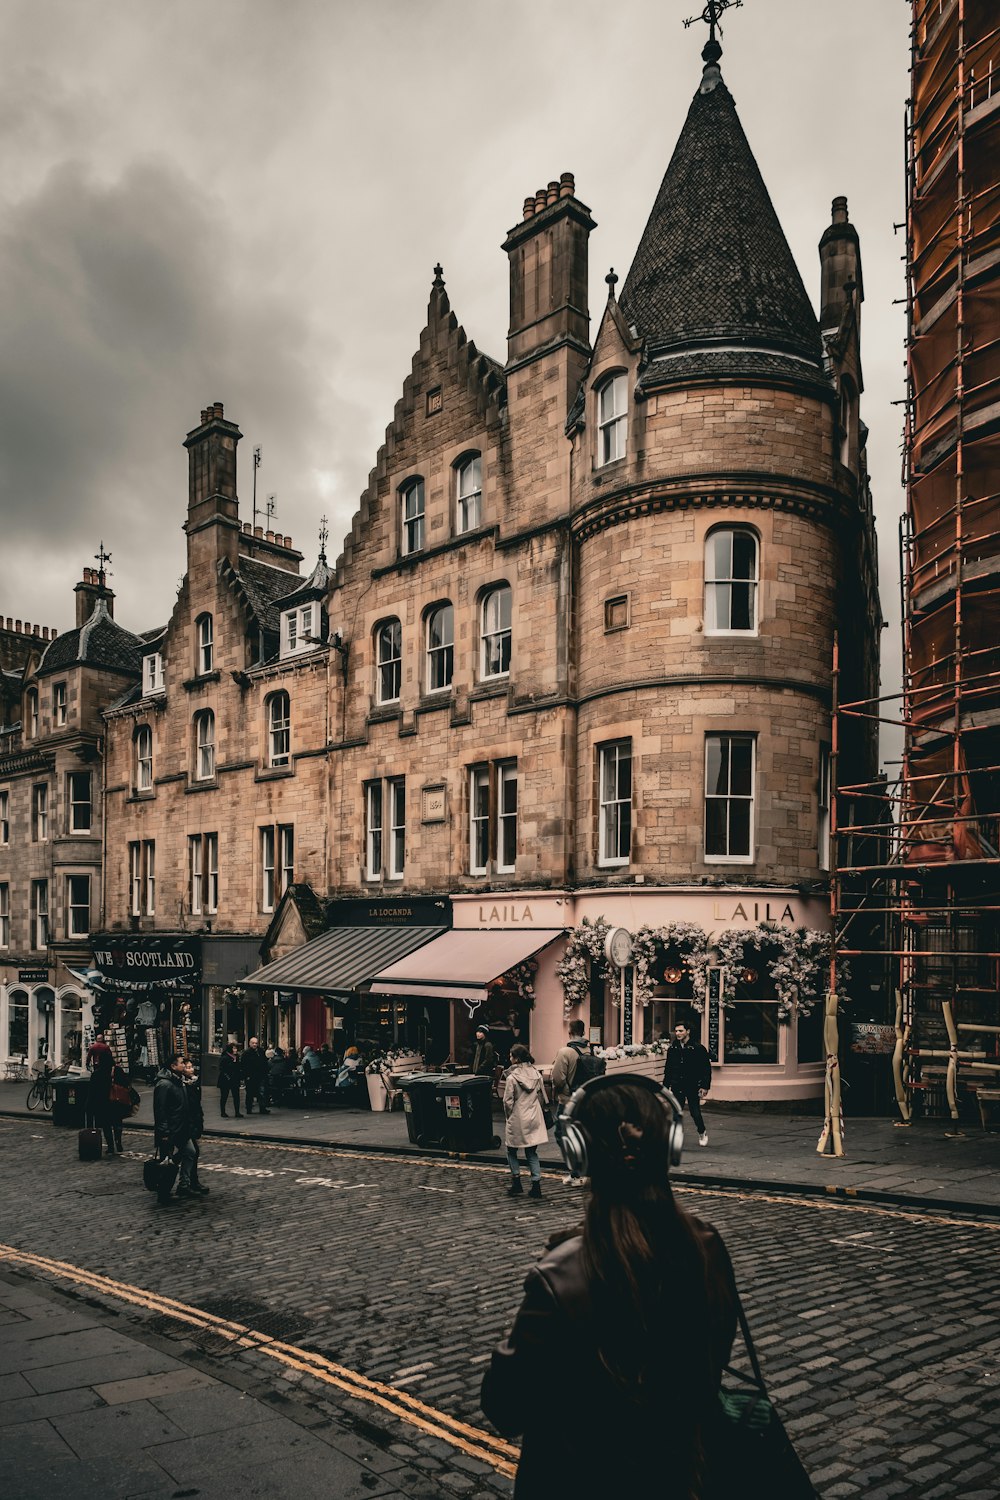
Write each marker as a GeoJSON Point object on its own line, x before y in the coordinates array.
{"type": "Point", "coordinates": [712, 16]}
{"type": "Point", "coordinates": [323, 534]}
{"type": "Point", "coordinates": [102, 558]}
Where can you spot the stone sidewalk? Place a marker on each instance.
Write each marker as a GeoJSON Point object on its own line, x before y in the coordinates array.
{"type": "Point", "coordinates": [933, 1163]}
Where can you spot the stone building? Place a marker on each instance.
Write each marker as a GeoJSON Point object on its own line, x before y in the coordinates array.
{"type": "Point", "coordinates": [572, 667]}
{"type": "Point", "coordinates": [53, 690]}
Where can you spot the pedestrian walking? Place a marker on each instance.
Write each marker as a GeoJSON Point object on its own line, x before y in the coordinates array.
{"type": "Point", "coordinates": [172, 1123]}
{"type": "Point", "coordinates": [229, 1081]}
{"type": "Point", "coordinates": [196, 1120]}
{"type": "Point", "coordinates": [687, 1073]}
{"type": "Point", "coordinates": [638, 1308]}
{"type": "Point", "coordinates": [120, 1105]}
{"type": "Point", "coordinates": [574, 1063]}
{"type": "Point", "coordinates": [253, 1069]}
{"type": "Point", "coordinates": [97, 1112]}
{"type": "Point", "coordinates": [523, 1107]}
{"type": "Point", "coordinates": [484, 1058]}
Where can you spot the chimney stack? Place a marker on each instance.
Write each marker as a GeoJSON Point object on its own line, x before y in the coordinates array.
{"type": "Point", "coordinates": [92, 588]}
{"type": "Point", "coordinates": [213, 508]}
{"type": "Point", "coordinates": [548, 274]}
{"type": "Point", "coordinates": [840, 267]}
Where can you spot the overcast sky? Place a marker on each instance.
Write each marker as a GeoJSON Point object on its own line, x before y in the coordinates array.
{"type": "Point", "coordinates": [244, 202]}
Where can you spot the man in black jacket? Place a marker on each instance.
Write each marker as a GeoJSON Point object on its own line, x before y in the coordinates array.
{"type": "Point", "coordinates": [172, 1122]}
{"type": "Point", "coordinates": [253, 1066]}
{"type": "Point", "coordinates": [688, 1076]}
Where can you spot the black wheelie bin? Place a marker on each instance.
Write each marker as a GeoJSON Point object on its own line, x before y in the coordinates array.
{"type": "Point", "coordinates": [424, 1121]}
{"type": "Point", "coordinates": [465, 1110]}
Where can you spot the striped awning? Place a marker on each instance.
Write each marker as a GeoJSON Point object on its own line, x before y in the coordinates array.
{"type": "Point", "coordinates": [340, 961]}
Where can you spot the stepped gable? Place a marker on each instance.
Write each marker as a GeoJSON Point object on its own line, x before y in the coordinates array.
{"type": "Point", "coordinates": [713, 275]}
{"type": "Point", "coordinates": [100, 643]}
{"type": "Point", "coordinates": [482, 375]}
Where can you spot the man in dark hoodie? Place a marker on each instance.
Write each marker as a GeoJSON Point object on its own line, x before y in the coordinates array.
{"type": "Point", "coordinates": [172, 1122]}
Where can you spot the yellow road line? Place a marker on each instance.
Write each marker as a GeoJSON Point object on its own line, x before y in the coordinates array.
{"type": "Point", "coordinates": [474, 1442]}
{"type": "Point", "coordinates": [844, 1205]}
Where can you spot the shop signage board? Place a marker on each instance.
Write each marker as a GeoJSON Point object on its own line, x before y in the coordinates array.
{"type": "Point", "coordinates": [872, 1038]}
{"type": "Point", "coordinates": [416, 911]}
{"type": "Point", "coordinates": [127, 959]}
{"type": "Point", "coordinates": [32, 976]}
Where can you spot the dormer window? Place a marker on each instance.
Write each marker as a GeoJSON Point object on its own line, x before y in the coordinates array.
{"type": "Point", "coordinates": [31, 714]}
{"type": "Point", "coordinates": [412, 510]}
{"type": "Point", "coordinates": [152, 674]}
{"type": "Point", "coordinates": [300, 629]}
{"type": "Point", "coordinates": [612, 419]}
{"type": "Point", "coordinates": [59, 705]}
{"type": "Point", "coordinates": [469, 493]}
{"type": "Point", "coordinates": [206, 645]}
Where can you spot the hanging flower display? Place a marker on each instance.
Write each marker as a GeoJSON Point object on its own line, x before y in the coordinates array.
{"type": "Point", "coordinates": [684, 941]}
{"type": "Point", "coordinates": [522, 977]}
{"type": "Point", "coordinates": [795, 961]}
{"type": "Point", "coordinates": [584, 950]}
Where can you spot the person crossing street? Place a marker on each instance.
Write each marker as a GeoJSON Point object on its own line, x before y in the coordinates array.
{"type": "Point", "coordinates": [688, 1075]}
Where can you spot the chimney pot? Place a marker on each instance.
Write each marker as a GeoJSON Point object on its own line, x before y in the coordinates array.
{"type": "Point", "coordinates": [269, 536]}
{"type": "Point", "coordinates": [258, 531]}
{"type": "Point", "coordinates": [567, 185]}
{"type": "Point", "coordinates": [529, 208]}
{"type": "Point", "coordinates": [29, 628]}
{"type": "Point", "coordinates": [539, 200]}
{"type": "Point", "coordinates": [552, 192]}
{"type": "Point", "coordinates": [839, 210]}
{"type": "Point", "coordinates": [217, 409]}
{"type": "Point", "coordinates": [246, 526]}
{"type": "Point", "coordinates": [17, 626]}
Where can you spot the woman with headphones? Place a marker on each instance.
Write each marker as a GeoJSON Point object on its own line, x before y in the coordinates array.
{"type": "Point", "coordinates": [634, 1315]}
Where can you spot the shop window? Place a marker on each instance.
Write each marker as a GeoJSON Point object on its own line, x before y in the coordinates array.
{"type": "Point", "coordinates": [440, 648]}
{"type": "Point", "coordinates": [204, 745]}
{"type": "Point", "coordinates": [17, 1023]}
{"type": "Point", "coordinates": [39, 914]}
{"type": "Point", "coordinates": [614, 776]}
{"type": "Point", "coordinates": [203, 862]}
{"type": "Point", "coordinates": [4, 914]}
{"type": "Point", "coordinates": [279, 730]}
{"type": "Point", "coordinates": [31, 714]}
{"type": "Point", "coordinates": [412, 516]}
{"type": "Point", "coordinates": [70, 1040]}
{"type": "Point", "coordinates": [751, 1032]}
{"type": "Point", "coordinates": [388, 661]}
{"type": "Point", "coordinates": [731, 574]}
{"type": "Point", "coordinates": [493, 817]}
{"type": "Point", "coordinates": [4, 817]}
{"type": "Point", "coordinates": [612, 419]}
{"type": "Point", "coordinates": [80, 801]}
{"type": "Point", "coordinates": [729, 797]}
{"type": "Point", "coordinates": [40, 813]}
{"type": "Point", "coordinates": [469, 493]}
{"type": "Point", "coordinates": [142, 877]}
{"type": "Point", "coordinates": [495, 631]}
{"type": "Point", "coordinates": [205, 660]}
{"type": "Point", "coordinates": [152, 674]}
{"type": "Point", "coordinates": [59, 705]}
{"type": "Point", "coordinates": [77, 905]}
{"type": "Point", "coordinates": [144, 758]}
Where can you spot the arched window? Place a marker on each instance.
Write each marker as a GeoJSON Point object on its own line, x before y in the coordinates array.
{"type": "Point", "coordinates": [388, 661]}
{"type": "Point", "coordinates": [206, 645]}
{"type": "Point", "coordinates": [731, 574]}
{"type": "Point", "coordinates": [279, 730]}
{"type": "Point", "coordinates": [204, 745]}
{"type": "Point", "coordinates": [144, 758]}
{"type": "Point", "coordinates": [31, 714]}
{"type": "Point", "coordinates": [612, 419]}
{"type": "Point", "coordinates": [495, 632]}
{"type": "Point", "coordinates": [468, 493]}
{"type": "Point", "coordinates": [412, 516]}
{"type": "Point", "coordinates": [440, 647]}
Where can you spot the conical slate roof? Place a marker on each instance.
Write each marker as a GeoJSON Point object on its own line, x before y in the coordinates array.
{"type": "Point", "coordinates": [713, 271]}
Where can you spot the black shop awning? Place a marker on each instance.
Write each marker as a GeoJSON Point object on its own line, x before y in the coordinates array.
{"type": "Point", "coordinates": [340, 961]}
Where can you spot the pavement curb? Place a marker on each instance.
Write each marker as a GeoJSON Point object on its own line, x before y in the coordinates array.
{"type": "Point", "coordinates": [695, 1180]}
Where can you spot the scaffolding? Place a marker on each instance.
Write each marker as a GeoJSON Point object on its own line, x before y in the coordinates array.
{"type": "Point", "coordinates": [917, 858]}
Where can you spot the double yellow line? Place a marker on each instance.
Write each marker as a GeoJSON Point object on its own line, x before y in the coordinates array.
{"type": "Point", "coordinates": [472, 1441]}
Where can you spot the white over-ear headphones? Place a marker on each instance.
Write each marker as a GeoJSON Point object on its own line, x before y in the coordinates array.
{"type": "Point", "coordinates": [572, 1137]}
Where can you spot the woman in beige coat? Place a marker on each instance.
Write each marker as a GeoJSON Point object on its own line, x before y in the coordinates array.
{"type": "Point", "coordinates": [523, 1097]}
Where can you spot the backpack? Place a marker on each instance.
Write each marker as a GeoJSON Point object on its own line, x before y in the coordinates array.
{"type": "Point", "coordinates": [587, 1066]}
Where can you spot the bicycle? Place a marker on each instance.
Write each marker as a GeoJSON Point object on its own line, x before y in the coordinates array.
{"type": "Point", "coordinates": [40, 1093]}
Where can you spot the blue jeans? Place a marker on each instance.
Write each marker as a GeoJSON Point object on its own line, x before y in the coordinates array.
{"type": "Point", "coordinates": [531, 1160]}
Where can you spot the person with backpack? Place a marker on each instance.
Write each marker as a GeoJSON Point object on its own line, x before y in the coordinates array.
{"type": "Point", "coordinates": [574, 1064]}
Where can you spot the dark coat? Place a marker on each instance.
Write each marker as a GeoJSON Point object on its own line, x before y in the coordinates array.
{"type": "Point", "coordinates": [555, 1331]}
{"type": "Point", "coordinates": [253, 1065]}
{"type": "Point", "coordinates": [171, 1119]}
{"type": "Point", "coordinates": [196, 1115]}
{"type": "Point", "coordinates": [688, 1068]}
{"type": "Point", "coordinates": [484, 1059]}
{"type": "Point", "coordinates": [229, 1071]}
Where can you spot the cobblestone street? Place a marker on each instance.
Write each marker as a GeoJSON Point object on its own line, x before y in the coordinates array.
{"type": "Point", "coordinates": [879, 1329]}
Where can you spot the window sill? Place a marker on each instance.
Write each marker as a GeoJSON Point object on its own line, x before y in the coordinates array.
{"type": "Point", "coordinates": [201, 679]}
{"type": "Point", "coordinates": [384, 713]}
{"type": "Point", "coordinates": [491, 687]}
{"type": "Point", "coordinates": [210, 785]}
{"type": "Point", "coordinates": [613, 864]}
{"type": "Point", "coordinates": [140, 797]}
{"type": "Point", "coordinates": [274, 773]}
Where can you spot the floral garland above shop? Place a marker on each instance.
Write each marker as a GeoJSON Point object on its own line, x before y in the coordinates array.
{"type": "Point", "coordinates": [688, 942]}
{"type": "Point", "coordinates": [522, 976]}
{"type": "Point", "coordinates": [584, 949]}
{"type": "Point", "coordinates": [795, 960]}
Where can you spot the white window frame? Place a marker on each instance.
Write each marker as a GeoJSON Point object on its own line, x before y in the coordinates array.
{"type": "Point", "coordinates": [59, 705]}
{"type": "Point", "coordinates": [441, 657]}
{"type": "Point", "coordinates": [389, 668]}
{"type": "Point", "coordinates": [374, 830]}
{"type": "Point", "coordinates": [39, 914]}
{"type": "Point", "coordinates": [823, 799]}
{"type": "Point", "coordinates": [135, 878]}
{"type": "Point", "coordinates": [74, 801]}
{"type": "Point", "coordinates": [40, 812]}
{"type": "Point", "coordinates": [31, 714]}
{"type": "Point", "coordinates": [396, 789]}
{"type": "Point", "coordinates": [286, 856]}
{"type": "Point", "coordinates": [152, 674]}
{"type": "Point", "coordinates": [75, 905]}
{"type": "Point", "coordinates": [196, 874]}
{"type": "Point", "coordinates": [4, 914]}
{"type": "Point", "coordinates": [204, 745]}
{"type": "Point", "coordinates": [279, 730]}
{"type": "Point", "coordinates": [610, 758]}
{"type": "Point", "coordinates": [300, 629]}
{"type": "Point", "coordinates": [506, 793]}
{"type": "Point", "coordinates": [211, 872]}
{"type": "Point", "coordinates": [716, 586]}
{"type": "Point", "coordinates": [5, 816]}
{"type": "Point", "coordinates": [206, 644]}
{"type": "Point", "coordinates": [149, 874]}
{"type": "Point", "coordinates": [479, 820]}
{"type": "Point", "coordinates": [494, 633]}
{"type": "Point", "coordinates": [412, 512]}
{"type": "Point", "coordinates": [469, 493]}
{"type": "Point", "coordinates": [144, 758]}
{"type": "Point", "coordinates": [612, 419]}
{"type": "Point", "coordinates": [203, 862]}
{"type": "Point", "coordinates": [730, 798]}
{"type": "Point", "coordinates": [267, 881]}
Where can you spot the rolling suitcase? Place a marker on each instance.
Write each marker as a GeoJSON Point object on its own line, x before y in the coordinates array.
{"type": "Point", "coordinates": [90, 1145]}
